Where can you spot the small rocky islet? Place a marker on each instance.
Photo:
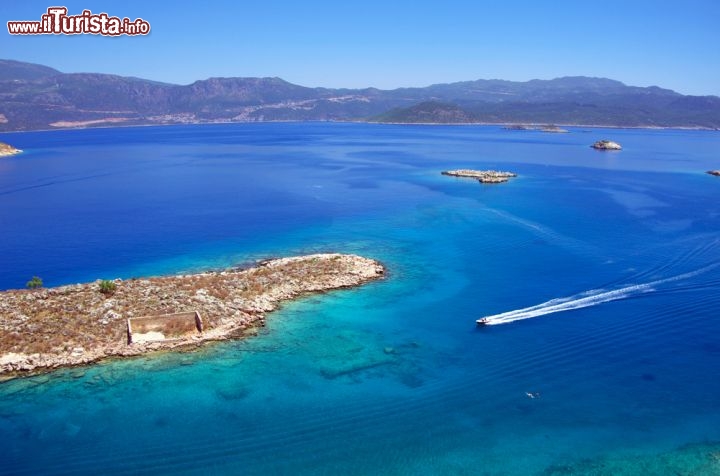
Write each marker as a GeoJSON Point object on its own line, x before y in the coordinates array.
{"type": "Point", "coordinates": [482, 176]}
{"type": "Point", "coordinates": [8, 150]}
{"type": "Point", "coordinates": [606, 145]}
{"type": "Point", "coordinates": [78, 324]}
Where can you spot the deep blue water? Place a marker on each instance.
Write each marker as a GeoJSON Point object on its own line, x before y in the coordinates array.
{"type": "Point", "coordinates": [392, 377]}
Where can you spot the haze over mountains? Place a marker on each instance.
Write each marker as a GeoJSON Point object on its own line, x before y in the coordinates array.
{"type": "Point", "coordinates": [38, 97]}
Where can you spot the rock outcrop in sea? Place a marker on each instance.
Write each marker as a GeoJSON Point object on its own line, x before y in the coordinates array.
{"type": "Point", "coordinates": [714, 172]}
{"type": "Point", "coordinates": [606, 145]}
{"type": "Point", "coordinates": [7, 149]}
{"type": "Point", "coordinates": [483, 176]}
{"type": "Point", "coordinates": [77, 324]}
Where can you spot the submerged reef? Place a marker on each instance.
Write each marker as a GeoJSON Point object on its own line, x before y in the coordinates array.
{"type": "Point", "coordinates": [692, 459]}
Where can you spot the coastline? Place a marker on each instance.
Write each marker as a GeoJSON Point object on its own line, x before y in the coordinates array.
{"type": "Point", "coordinates": [503, 124]}
{"type": "Point", "coordinates": [461, 124]}
{"type": "Point", "coordinates": [46, 329]}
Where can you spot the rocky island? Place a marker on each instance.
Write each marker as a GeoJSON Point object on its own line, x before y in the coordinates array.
{"type": "Point", "coordinates": [547, 128]}
{"type": "Point", "coordinates": [43, 329]}
{"type": "Point", "coordinates": [483, 176]}
{"type": "Point", "coordinates": [606, 145]}
{"type": "Point", "coordinates": [7, 149]}
{"type": "Point", "coordinates": [714, 172]}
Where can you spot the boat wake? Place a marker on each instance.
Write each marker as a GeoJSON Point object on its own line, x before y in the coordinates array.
{"type": "Point", "coordinates": [587, 299]}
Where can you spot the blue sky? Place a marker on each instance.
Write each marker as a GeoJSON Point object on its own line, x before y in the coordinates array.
{"type": "Point", "coordinates": [390, 44]}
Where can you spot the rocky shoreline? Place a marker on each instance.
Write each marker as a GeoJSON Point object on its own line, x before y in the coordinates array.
{"type": "Point", "coordinates": [482, 176]}
{"type": "Point", "coordinates": [7, 150]}
{"type": "Point", "coordinates": [78, 324]}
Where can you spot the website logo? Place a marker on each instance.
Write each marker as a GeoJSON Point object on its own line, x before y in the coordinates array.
{"type": "Point", "coordinates": [57, 22]}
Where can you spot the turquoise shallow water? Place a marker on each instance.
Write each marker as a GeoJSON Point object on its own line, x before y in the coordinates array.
{"type": "Point", "coordinates": [393, 377]}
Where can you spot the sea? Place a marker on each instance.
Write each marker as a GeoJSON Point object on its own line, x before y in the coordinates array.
{"type": "Point", "coordinates": [599, 272]}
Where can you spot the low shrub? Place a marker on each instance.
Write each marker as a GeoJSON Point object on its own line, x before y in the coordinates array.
{"type": "Point", "coordinates": [34, 283]}
{"type": "Point", "coordinates": [107, 287]}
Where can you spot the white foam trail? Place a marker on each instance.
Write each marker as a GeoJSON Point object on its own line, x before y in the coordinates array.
{"type": "Point", "coordinates": [587, 299]}
{"type": "Point", "coordinates": [547, 233]}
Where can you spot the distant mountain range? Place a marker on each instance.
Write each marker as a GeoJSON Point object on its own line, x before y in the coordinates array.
{"type": "Point", "coordinates": [38, 97]}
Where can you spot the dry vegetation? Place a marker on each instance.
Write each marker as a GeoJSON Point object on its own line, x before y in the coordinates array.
{"type": "Point", "coordinates": [171, 326]}
{"type": "Point", "coordinates": [78, 323]}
